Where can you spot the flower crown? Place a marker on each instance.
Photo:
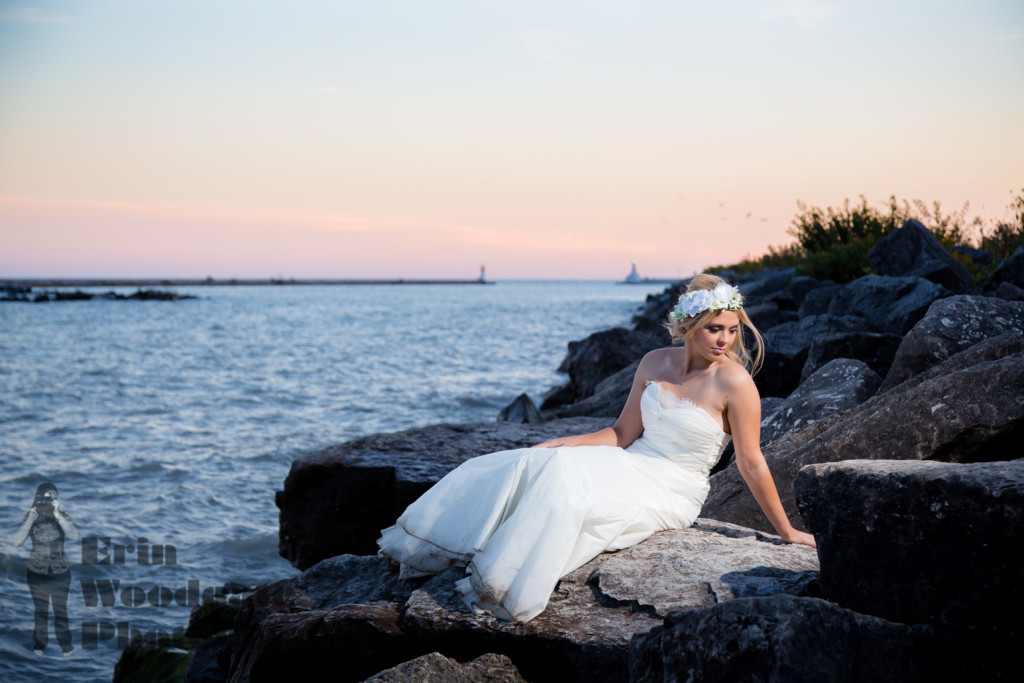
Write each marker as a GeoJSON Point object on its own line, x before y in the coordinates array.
{"type": "Point", "coordinates": [722, 297]}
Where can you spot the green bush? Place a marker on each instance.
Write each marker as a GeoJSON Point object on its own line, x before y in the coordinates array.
{"type": "Point", "coordinates": [833, 243]}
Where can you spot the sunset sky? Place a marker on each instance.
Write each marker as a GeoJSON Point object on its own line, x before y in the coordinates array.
{"type": "Point", "coordinates": [545, 139]}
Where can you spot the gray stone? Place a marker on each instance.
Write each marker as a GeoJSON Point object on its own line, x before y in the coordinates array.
{"type": "Point", "coordinates": [949, 326]}
{"type": "Point", "coordinates": [877, 349]}
{"type": "Point", "coordinates": [801, 285]}
{"type": "Point", "coordinates": [817, 300]}
{"type": "Point", "coordinates": [967, 414]}
{"type": "Point", "coordinates": [521, 411]}
{"type": "Point", "coordinates": [768, 314]}
{"type": "Point", "coordinates": [342, 615]}
{"type": "Point", "coordinates": [337, 500]}
{"type": "Point", "coordinates": [887, 304]}
{"type": "Point", "coordinates": [1010, 292]}
{"type": "Point", "coordinates": [787, 346]}
{"type": "Point", "coordinates": [608, 399]}
{"type": "Point", "coordinates": [488, 668]}
{"type": "Point", "coordinates": [351, 614]}
{"type": "Point", "coordinates": [603, 354]}
{"type": "Point", "coordinates": [792, 639]}
{"type": "Point", "coordinates": [914, 250]}
{"type": "Point", "coordinates": [834, 388]}
{"type": "Point", "coordinates": [584, 632]}
{"type": "Point", "coordinates": [766, 282]}
{"type": "Point", "coordinates": [1010, 270]}
{"type": "Point", "coordinates": [920, 542]}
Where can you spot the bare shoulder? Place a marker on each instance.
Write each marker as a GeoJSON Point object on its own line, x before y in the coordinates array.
{"type": "Point", "coordinates": [654, 362]}
{"type": "Point", "coordinates": [734, 379]}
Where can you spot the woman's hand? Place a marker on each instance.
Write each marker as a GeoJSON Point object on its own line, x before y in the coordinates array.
{"type": "Point", "coordinates": [801, 537]}
{"type": "Point", "coordinates": [33, 514]}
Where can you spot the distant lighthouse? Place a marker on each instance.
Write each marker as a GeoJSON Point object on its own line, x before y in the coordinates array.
{"type": "Point", "coordinates": [482, 278]}
{"type": "Point", "coordinates": [633, 276]}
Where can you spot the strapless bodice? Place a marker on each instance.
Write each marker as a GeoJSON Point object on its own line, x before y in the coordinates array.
{"type": "Point", "coordinates": [679, 430]}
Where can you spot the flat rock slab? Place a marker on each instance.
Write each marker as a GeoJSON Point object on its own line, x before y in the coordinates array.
{"type": "Point", "coordinates": [336, 500]}
{"type": "Point", "coordinates": [351, 614]}
{"type": "Point", "coordinates": [920, 542]}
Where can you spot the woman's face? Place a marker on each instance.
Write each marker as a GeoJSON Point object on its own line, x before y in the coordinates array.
{"type": "Point", "coordinates": [716, 336]}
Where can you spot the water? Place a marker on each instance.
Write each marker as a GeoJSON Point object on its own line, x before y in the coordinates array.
{"type": "Point", "coordinates": [176, 421]}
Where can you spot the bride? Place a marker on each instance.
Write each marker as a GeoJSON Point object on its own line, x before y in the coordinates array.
{"type": "Point", "coordinates": [519, 520]}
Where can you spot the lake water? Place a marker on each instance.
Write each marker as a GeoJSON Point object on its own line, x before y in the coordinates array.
{"type": "Point", "coordinates": [175, 422]}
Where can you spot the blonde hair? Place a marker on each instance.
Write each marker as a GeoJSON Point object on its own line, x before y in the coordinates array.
{"type": "Point", "coordinates": [683, 329]}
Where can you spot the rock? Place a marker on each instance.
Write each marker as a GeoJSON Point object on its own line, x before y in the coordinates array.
{"type": "Point", "coordinates": [786, 350]}
{"type": "Point", "coordinates": [340, 615]}
{"type": "Point", "coordinates": [205, 667]}
{"type": "Point", "coordinates": [960, 414]}
{"type": "Point", "coordinates": [877, 349]}
{"type": "Point", "coordinates": [949, 326]}
{"type": "Point", "coordinates": [766, 282]}
{"type": "Point", "coordinates": [888, 304]}
{"type": "Point", "coordinates": [521, 411]}
{"type": "Point", "coordinates": [654, 313]}
{"type": "Point", "coordinates": [1010, 270]}
{"type": "Point", "coordinates": [768, 314]}
{"type": "Point", "coordinates": [1009, 292]}
{"type": "Point", "coordinates": [603, 354]}
{"type": "Point", "coordinates": [802, 285]}
{"type": "Point", "coordinates": [349, 614]}
{"type": "Point", "coordinates": [608, 399]}
{"type": "Point", "coordinates": [585, 630]}
{"type": "Point", "coordinates": [144, 661]}
{"type": "Point", "coordinates": [337, 500]}
{"type": "Point", "coordinates": [488, 668]}
{"type": "Point", "coordinates": [817, 300]}
{"type": "Point", "coordinates": [920, 542]}
{"type": "Point", "coordinates": [786, 638]}
{"type": "Point", "coordinates": [914, 250]}
{"type": "Point", "coordinates": [836, 387]}
{"type": "Point", "coordinates": [558, 395]}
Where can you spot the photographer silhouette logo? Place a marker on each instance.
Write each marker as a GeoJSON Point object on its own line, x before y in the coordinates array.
{"type": "Point", "coordinates": [49, 572]}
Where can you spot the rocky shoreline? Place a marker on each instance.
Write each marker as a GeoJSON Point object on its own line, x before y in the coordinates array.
{"type": "Point", "coordinates": [892, 413]}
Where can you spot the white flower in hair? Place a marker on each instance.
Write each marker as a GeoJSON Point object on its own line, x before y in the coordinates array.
{"type": "Point", "coordinates": [722, 297]}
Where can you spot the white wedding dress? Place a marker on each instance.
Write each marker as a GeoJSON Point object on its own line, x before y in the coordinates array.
{"type": "Point", "coordinates": [521, 519]}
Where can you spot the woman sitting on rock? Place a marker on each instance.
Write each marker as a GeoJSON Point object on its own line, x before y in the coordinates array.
{"type": "Point", "coordinates": [519, 520]}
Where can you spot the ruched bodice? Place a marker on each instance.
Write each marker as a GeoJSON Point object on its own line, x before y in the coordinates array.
{"type": "Point", "coordinates": [521, 519]}
{"type": "Point", "coordinates": [678, 429]}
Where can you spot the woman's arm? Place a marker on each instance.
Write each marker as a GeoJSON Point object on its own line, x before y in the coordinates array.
{"type": "Point", "coordinates": [64, 519]}
{"type": "Point", "coordinates": [627, 427]}
{"type": "Point", "coordinates": [744, 406]}
{"type": "Point", "coordinates": [22, 533]}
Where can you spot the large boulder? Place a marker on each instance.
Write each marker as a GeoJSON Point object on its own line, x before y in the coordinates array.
{"type": "Point", "coordinates": [787, 346]}
{"type": "Point", "coordinates": [602, 354]}
{"type": "Point", "coordinates": [914, 250]}
{"type": "Point", "coordinates": [1010, 270]}
{"type": "Point", "coordinates": [837, 386]}
{"type": "Point", "coordinates": [949, 326]}
{"type": "Point", "coordinates": [766, 282]}
{"type": "Point", "coordinates": [968, 411]}
{"type": "Point", "coordinates": [342, 615]}
{"type": "Point", "coordinates": [877, 349]}
{"type": "Point", "coordinates": [608, 399]}
{"type": "Point", "coordinates": [350, 614]}
{"type": "Point", "coordinates": [793, 639]}
{"type": "Point", "coordinates": [887, 304]}
{"type": "Point", "coordinates": [336, 500]}
{"type": "Point", "coordinates": [816, 301]}
{"type": "Point", "coordinates": [920, 542]}
{"type": "Point", "coordinates": [488, 668]}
